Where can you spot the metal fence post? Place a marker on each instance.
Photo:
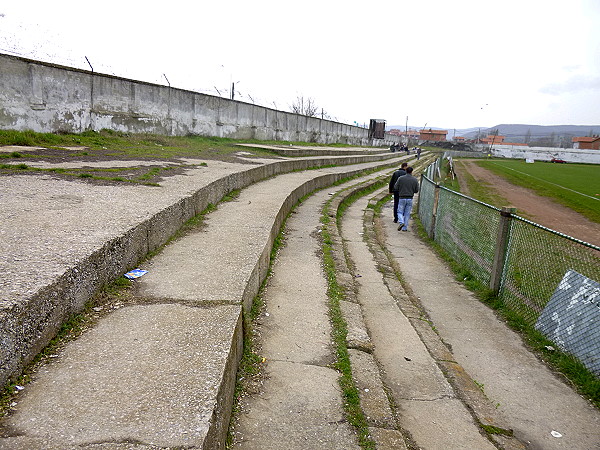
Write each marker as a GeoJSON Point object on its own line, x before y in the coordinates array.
{"type": "Point", "coordinates": [436, 200]}
{"type": "Point", "coordinates": [501, 248]}
{"type": "Point", "coordinates": [420, 190]}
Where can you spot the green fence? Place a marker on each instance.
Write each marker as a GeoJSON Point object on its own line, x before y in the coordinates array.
{"type": "Point", "coordinates": [525, 263]}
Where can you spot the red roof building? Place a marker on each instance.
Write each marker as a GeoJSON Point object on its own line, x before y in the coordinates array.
{"type": "Point", "coordinates": [411, 134]}
{"type": "Point", "coordinates": [589, 143]}
{"type": "Point", "coordinates": [433, 135]}
{"type": "Point", "coordinates": [492, 139]}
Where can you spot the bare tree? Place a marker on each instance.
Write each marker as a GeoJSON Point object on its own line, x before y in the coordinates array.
{"type": "Point", "coordinates": [305, 106]}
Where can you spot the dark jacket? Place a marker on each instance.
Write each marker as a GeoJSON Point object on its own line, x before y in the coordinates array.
{"type": "Point", "coordinates": [397, 174]}
{"type": "Point", "coordinates": [407, 186]}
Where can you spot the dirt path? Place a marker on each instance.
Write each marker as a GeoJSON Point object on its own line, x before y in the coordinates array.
{"type": "Point", "coordinates": [541, 210]}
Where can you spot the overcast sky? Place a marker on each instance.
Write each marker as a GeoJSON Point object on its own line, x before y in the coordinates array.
{"type": "Point", "coordinates": [451, 64]}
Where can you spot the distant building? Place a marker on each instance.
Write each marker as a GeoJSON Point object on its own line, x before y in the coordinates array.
{"type": "Point", "coordinates": [515, 144]}
{"type": "Point", "coordinates": [459, 139]}
{"type": "Point", "coordinates": [411, 134]}
{"type": "Point", "coordinates": [432, 135]}
{"type": "Point", "coordinates": [492, 139]}
{"type": "Point", "coordinates": [588, 143]}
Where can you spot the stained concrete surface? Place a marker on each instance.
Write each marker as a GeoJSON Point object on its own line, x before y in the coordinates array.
{"type": "Point", "coordinates": [154, 374]}
{"type": "Point", "coordinates": [47, 224]}
{"type": "Point", "coordinates": [300, 404]}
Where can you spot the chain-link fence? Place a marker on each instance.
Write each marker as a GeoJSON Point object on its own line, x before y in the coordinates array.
{"type": "Point", "coordinates": [467, 230]}
{"type": "Point", "coordinates": [426, 201]}
{"type": "Point", "coordinates": [551, 280]}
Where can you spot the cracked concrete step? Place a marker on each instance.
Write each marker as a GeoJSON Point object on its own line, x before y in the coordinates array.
{"type": "Point", "coordinates": [129, 380]}
{"type": "Point", "coordinates": [300, 403]}
{"type": "Point", "coordinates": [85, 235]}
{"type": "Point", "coordinates": [140, 376]}
{"type": "Point", "coordinates": [427, 408]}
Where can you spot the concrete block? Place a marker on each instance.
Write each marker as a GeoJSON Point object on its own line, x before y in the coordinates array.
{"type": "Point", "coordinates": [167, 381]}
{"type": "Point", "coordinates": [386, 439]}
{"type": "Point", "coordinates": [373, 399]}
{"type": "Point", "coordinates": [357, 337]}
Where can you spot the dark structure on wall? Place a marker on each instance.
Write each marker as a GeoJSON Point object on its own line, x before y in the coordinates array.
{"type": "Point", "coordinates": [377, 129]}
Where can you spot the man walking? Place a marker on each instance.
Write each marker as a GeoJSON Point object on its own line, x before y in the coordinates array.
{"type": "Point", "coordinates": [398, 173]}
{"type": "Point", "coordinates": [406, 186]}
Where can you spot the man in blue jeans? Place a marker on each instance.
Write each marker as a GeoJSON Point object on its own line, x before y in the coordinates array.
{"type": "Point", "coordinates": [406, 186]}
{"type": "Point", "coordinates": [397, 174]}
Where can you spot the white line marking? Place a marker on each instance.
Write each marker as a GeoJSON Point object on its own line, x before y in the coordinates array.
{"type": "Point", "coordinates": [549, 182]}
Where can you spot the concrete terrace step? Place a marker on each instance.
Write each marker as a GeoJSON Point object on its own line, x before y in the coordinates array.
{"type": "Point", "coordinates": [415, 382]}
{"type": "Point", "coordinates": [60, 241]}
{"type": "Point", "coordinates": [296, 151]}
{"type": "Point", "coordinates": [300, 403]}
{"type": "Point", "coordinates": [161, 373]}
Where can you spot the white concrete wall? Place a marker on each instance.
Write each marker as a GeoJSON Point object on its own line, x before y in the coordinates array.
{"type": "Point", "coordinates": [48, 98]}
{"type": "Point", "coordinates": [574, 155]}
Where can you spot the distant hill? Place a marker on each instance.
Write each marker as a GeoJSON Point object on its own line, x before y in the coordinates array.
{"type": "Point", "coordinates": [542, 135]}
{"type": "Point", "coordinates": [542, 130]}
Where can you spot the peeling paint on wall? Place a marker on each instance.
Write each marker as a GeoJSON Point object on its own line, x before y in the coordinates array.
{"type": "Point", "coordinates": [48, 98]}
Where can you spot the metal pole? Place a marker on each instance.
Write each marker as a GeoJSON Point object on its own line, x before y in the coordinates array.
{"type": "Point", "coordinates": [169, 107]}
{"type": "Point", "coordinates": [89, 64]}
{"type": "Point", "coordinates": [420, 190]}
{"type": "Point", "coordinates": [436, 201]}
{"type": "Point", "coordinates": [501, 248]}
{"type": "Point", "coordinates": [91, 126]}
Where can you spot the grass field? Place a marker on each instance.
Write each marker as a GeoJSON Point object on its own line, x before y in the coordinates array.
{"type": "Point", "coordinates": [576, 186]}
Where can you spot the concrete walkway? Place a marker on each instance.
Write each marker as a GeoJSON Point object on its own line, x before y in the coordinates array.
{"type": "Point", "coordinates": [428, 410]}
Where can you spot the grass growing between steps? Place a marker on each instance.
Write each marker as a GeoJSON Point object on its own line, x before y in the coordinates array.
{"type": "Point", "coordinates": [579, 376]}
{"type": "Point", "coordinates": [354, 413]}
{"type": "Point", "coordinates": [359, 194]}
{"type": "Point", "coordinates": [250, 370]}
{"type": "Point", "coordinates": [251, 362]}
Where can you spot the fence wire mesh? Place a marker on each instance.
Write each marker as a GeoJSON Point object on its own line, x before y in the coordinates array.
{"type": "Point", "coordinates": [549, 279]}
{"type": "Point", "coordinates": [426, 196]}
{"type": "Point", "coordinates": [536, 262]}
{"type": "Point", "coordinates": [467, 230]}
